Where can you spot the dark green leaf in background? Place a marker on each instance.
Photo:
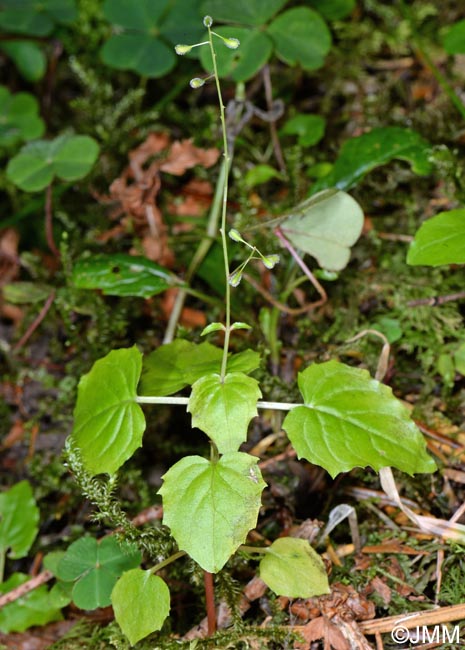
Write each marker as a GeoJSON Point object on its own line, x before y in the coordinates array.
{"type": "Point", "coordinates": [454, 38]}
{"type": "Point", "coordinates": [440, 240]}
{"type": "Point", "coordinates": [19, 117]}
{"type": "Point", "coordinates": [28, 57]}
{"type": "Point", "coordinates": [19, 518]}
{"type": "Point", "coordinates": [120, 274]}
{"type": "Point", "coordinates": [34, 608]}
{"type": "Point", "coordinates": [333, 9]}
{"type": "Point", "coordinates": [243, 12]}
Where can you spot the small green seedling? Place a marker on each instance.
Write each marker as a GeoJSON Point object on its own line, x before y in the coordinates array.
{"type": "Point", "coordinates": [346, 419]}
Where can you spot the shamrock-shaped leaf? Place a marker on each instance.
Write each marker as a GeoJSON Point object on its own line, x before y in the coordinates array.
{"type": "Point", "coordinates": [95, 567]}
{"type": "Point", "coordinates": [108, 422]}
{"type": "Point", "coordinates": [244, 12]}
{"type": "Point", "coordinates": [19, 117]}
{"type": "Point", "coordinates": [68, 157]}
{"type": "Point", "coordinates": [35, 18]}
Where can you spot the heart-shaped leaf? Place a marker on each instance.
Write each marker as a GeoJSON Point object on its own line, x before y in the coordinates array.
{"type": "Point", "coordinates": [141, 602]}
{"type": "Point", "coordinates": [325, 226]}
{"type": "Point", "coordinates": [142, 53]}
{"type": "Point", "coordinates": [351, 420]}
{"type": "Point", "coordinates": [308, 128]}
{"type": "Point", "coordinates": [95, 567]}
{"type": "Point", "coordinates": [175, 365]}
{"type": "Point", "coordinates": [108, 422]}
{"type": "Point", "coordinates": [19, 117]}
{"type": "Point", "coordinates": [360, 155]}
{"type": "Point", "coordinates": [19, 518]}
{"type": "Point", "coordinates": [222, 498]}
{"type": "Point", "coordinates": [292, 568]}
{"type": "Point", "coordinates": [35, 18]}
{"type": "Point", "coordinates": [122, 275]}
{"type": "Point", "coordinates": [440, 240]}
{"type": "Point", "coordinates": [223, 409]}
{"type": "Point", "coordinates": [68, 157]}
{"type": "Point", "coordinates": [301, 37]}
{"type": "Point", "coordinates": [33, 608]}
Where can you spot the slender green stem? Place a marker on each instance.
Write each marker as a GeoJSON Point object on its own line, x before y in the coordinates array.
{"type": "Point", "coordinates": [224, 208]}
{"type": "Point", "coordinates": [184, 401]}
{"type": "Point", "coordinates": [169, 560]}
{"type": "Point", "coordinates": [2, 565]}
{"type": "Point", "coordinates": [423, 54]}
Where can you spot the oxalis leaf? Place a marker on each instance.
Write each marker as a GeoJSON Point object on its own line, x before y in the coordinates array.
{"type": "Point", "coordinates": [440, 240]}
{"type": "Point", "coordinates": [223, 409]}
{"type": "Point", "coordinates": [351, 420]}
{"type": "Point", "coordinates": [141, 602]}
{"type": "Point", "coordinates": [95, 567]}
{"type": "Point", "coordinates": [292, 568]}
{"type": "Point", "coordinates": [19, 518]}
{"type": "Point", "coordinates": [211, 506]}
{"type": "Point", "coordinates": [108, 422]}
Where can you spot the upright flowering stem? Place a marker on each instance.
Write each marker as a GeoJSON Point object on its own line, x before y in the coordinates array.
{"type": "Point", "coordinates": [208, 23]}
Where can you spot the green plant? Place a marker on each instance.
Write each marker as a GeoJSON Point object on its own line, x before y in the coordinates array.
{"type": "Point", "coordinates": [347, 419]}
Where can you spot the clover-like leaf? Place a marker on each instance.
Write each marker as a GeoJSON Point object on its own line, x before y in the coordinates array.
{"type": "Point", "coordinates": [292, 568]}
{"type": "Point", "coordinates": [326, 225]}
{"type": "Point", "coordinates": [175, 365]}
{"type": "Point", "coordinates": [35, 18]}
{"type": "Point", "coordinates": [221, 500]}
{"type": "Point", "coordinates": [19, 518]}
{"type": "Point", "coordinates": [333, 9]}
{"type": "Point", "coordinates": [141, 602]}
{"type": "Point", "coordinates": [19, 117]}
{"type": "Point", "coordinates": [120, 274]}
{"type": "Point", "coordinates": [223, 409]}
{"type": "Point", "coordinates": [301, 37]}
{"type": "Point", "coordinates": [29, 58]}
{"type": "Point", "coordinates": [439, 240]}
{"type": "Point", "coordinates": [68, 157]}
{"type": "Point", "coordinates": [33, 608]}
{"type": "Point", "coordinates": [308, 128]}
{"type": "Point", "coordinates": [95, 567]}
{"type": "Point", "coordinates": [360, 155]}
{"type": "Point", "coordinates": [351, 420]}
{"type": "Point", "coordinates": [145, 33]}
{"type": "Point", "coordinates": [108, 422]}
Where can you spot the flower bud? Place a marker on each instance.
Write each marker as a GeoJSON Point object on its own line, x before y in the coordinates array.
{"type": "Point", "coordinates": [235, 235]}
{"type": "Point", "coordinates": [270, 261]}
{"type": "Point", "coordinates": [232, 43]}
{"type": "Point", "coordinates": [196, 82]}
{"type": "Point", "coordinates": [182, 49]}
{"type": "Point", "coordinates": [235, 277]}
{"type": "Point", "coordinates": [208, 21]}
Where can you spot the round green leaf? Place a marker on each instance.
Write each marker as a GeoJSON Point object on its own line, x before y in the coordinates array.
{"type": "Point", "coordinates": [302, 37]}
{"type": "Point", "coordinates": [29, 58]}
{"type": "Point", "coordinates": [30, 172]}
{"type": "Point", "coordinates": [143, 53]}
{"type": "Point", "coordinates": [325, 226]}
{"type": "Point", "coordinates": [351, 420]}
{"type": "Point", "coordinates": [244, 12]}
{"type": "Point", "coordinates": [19, 117]}
{"type": "Point", "coordinates": [19, 518]}
{"type": "Point", "coordinates": [308, 128]}
{"type": "Point", "coordinates": [244, 62]}
{"type": "Point", "coordinates": [75, 157]}
{"type": "Point", "coordinates": [223, 409]}
{"type": "Point", "coordinates": [142, 16]}
{"type": "Point", "coordinates": [454, 38]}
{"type": "Point", "coordinates": [95, 568]}
{"type": "Point", "coordinates": [122, 275]}
{"type": "Point", "coordinates": [292, 568]}
{"type": "Point", "coordinates": [108, 422]}
{"type": "Point", "coordinates": [211, 506]}
{"type": "Point", "coordinates": [440, 240]}
{"type": "Point", "coordinates": [360, 155]}
{"type": "Point", "coordinates": [141, 602]}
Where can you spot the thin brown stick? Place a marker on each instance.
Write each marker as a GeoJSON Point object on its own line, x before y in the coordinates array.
{"type": "Point", "coordinates": [436, 300]}
{"type": "Point", "coordinates": [431, 617]}
{"type": "Point", "coordinates": [35, 323]}
{"type": "Point", "coordinates": [49, 221]}
{"type": "Point", "coordinates": [273, 130]}
{"type": "Point", "coordinates": [210, 602]}
{"type": "Point", "coordinates": [25, 588]}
